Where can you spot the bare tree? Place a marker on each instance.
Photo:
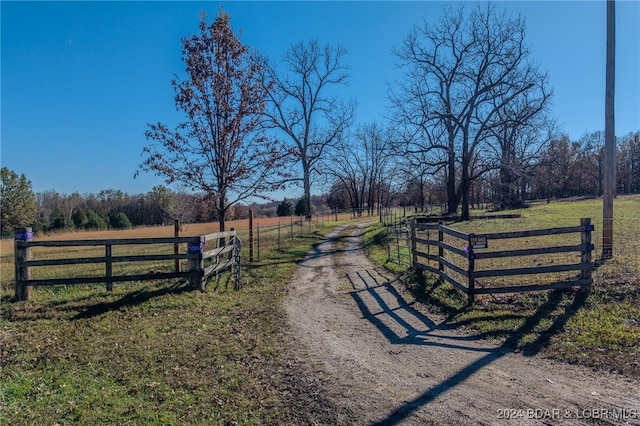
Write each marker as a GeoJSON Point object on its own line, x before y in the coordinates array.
{"type": "Point", "coordinates": [417, 162]}
{"type": "Point", "coordinates": [220, 149]}
{"type": "Point", "coordinates": [304, 105]}
{"type": "Point", "coordinates": [460, 73]}
{"type": "Point", "coordinates": [377, 145]}
{"type": "Point", "coordinates": [628, 148]}
{"type": "Point", "coordinates": [519, 138]}
{"type": "Point", "coordinates": [338, 196]}
{"type": "Point", "coordinates": [361, 164]}
{"type": "Point", "coordinates": [593, 165]}
{"type": "Point", "coordinates": [344, 168]}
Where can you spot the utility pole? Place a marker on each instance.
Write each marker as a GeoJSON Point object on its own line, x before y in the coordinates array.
{"type": "Point", "coordinates": [609, 181]}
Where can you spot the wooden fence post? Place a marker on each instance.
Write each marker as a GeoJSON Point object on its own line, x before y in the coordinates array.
{"type": "Point", "coordinates": [176, 246]}
{"type": "Point", "coordinates": [108, 266]}
{"type": "Point", "coordinates": [396, 231]}
{"type": "Point", "coordinates": [251, 235]}
{"type": "Point", "coordinates": [22, 253]}
{"type": "Point", "coordinates": [440, 248]}
{"type": "Point", "coordinates": [196, 265]}
{"type": "Point", "coordinates": [471, 267]}
{"type": "Point", "coordinates": [236, 264]}
{"type": "Point", "coordinates": [585, 239]}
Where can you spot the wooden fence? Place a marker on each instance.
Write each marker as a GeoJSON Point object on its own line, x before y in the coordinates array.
{"type": "Point", "coordinates": [455, 256]}
{"type": "Point", "coordinates": [218, 251]}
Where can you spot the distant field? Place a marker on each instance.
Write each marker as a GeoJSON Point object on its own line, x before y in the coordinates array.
{"type": "Point", "coordinates": [187, 229]}
{"type": "Point", "coordinates": [568, 213]}
{"type": "Point", "coordinates": [266, 224]}
{"type": "Point", "coordinates": [626, 227]}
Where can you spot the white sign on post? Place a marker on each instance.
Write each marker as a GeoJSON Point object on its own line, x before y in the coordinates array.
{"type": "Point", "coordinates": [478, 242]}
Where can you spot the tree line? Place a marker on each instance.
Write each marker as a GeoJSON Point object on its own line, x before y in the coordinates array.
{"type": "Point", "coordinates": [362, 182]}
{"type": "Point", "coordinates": [562, 168]}
{"type": "Point", "coordinates": [469, 122]}
{"type": "Point", "coordinates": [50, 211]}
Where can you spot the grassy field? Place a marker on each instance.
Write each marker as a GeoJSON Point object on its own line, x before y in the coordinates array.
{"type": "Point", "coordinates": [157, 353]}
{"type": "Point", "coordinates": [265, 239]}
{"type": "Point", "coordinates": [600, 329]}
{"type": "Point", "coordinates": [152, 352]}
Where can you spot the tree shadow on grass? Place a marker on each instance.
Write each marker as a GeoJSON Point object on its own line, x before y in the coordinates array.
{"type": "Point", "coordinates": [134, 298]}
{"type": "Point", "coordinates": [89, 305]}
{"type": "Point", "coordinates": [400, 323]}
{"type": "Point", "coordinates": [544, 336]}
{"type": "Point", "coordinates": [220, 281]}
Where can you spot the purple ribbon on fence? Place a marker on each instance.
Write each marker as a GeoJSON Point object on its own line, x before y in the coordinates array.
{"type": "Point", "coordinates": [197, 248]}
{"type": "Point", "coordinates": [23, 236]}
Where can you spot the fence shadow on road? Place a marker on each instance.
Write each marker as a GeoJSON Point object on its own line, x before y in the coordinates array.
{"type": "Point", "coordinates": [382, 305]}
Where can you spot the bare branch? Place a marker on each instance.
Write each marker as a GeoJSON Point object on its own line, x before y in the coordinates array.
{"type": "Point", "coordinates": [221, 148]}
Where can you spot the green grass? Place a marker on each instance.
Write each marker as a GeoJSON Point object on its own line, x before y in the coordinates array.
{"type": "Point", "coordinates": [599, 329]}
{"type": "Point", "coordinates": [158, 353]}
{"type": "Point", "coordinates": [151, 352]}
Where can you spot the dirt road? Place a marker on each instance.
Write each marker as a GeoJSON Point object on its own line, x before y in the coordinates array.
{"type": "Point", "coordinates": [371, 358]}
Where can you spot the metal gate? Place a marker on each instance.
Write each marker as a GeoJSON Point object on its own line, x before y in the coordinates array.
{"type": "Point", "coordinates": [399, 245]}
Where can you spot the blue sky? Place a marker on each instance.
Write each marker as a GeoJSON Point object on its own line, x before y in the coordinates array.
{"type": "Point", "coordinates": [80, 80]}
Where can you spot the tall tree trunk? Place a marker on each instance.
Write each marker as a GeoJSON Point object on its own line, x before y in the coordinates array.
{"type": "Point", "coordinates": [510, 196]}
{"type": "Point", "coordinates": [452, 197]}
{"type": "Point", "coordinates": [307, 191]}
{"type": "Point", "coordinates": [222, 212]}
{"type": "Point", "coordinates": [465, 184]}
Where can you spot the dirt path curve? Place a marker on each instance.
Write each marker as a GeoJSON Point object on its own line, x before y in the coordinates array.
{"type": "Point", "coordinates": [378, 360]}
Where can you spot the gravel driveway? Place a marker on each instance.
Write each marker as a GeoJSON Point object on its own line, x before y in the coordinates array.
{"type": "Point", "coordinates": [369, 358]}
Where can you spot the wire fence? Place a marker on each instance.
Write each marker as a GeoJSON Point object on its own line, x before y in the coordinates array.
{"type": "Point", "coordinates": [275, 233]}
{"type": "Point", "coordinates": [275, 236]}
{"type": "Point", "coordinates": [624, 266]}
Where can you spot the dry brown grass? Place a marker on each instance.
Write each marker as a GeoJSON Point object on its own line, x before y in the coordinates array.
{"type": "Point", "coordinates": [186, 230]}
{"type": "Point", "coordinates": [89, 270]}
